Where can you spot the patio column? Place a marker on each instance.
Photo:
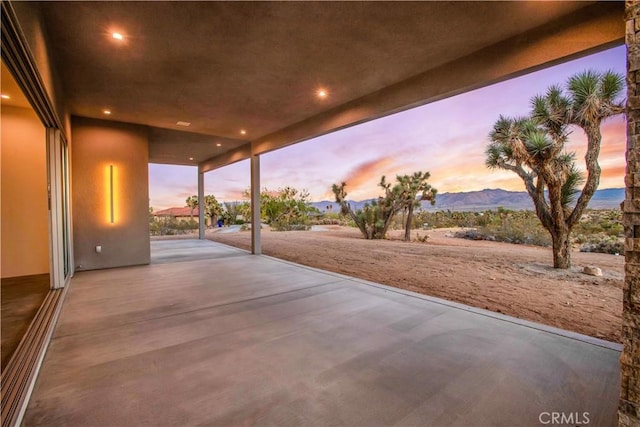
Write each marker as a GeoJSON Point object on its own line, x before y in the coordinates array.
{"type": "Point", "coordinates": [629, 409]}
{"type": "Point", "coordinates": [256, 242]}
{"type": "Point", "coordinates": [201, 223]}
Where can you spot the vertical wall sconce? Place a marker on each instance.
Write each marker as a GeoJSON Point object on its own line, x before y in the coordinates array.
{"type": "Point", "coordinates": [111, 186]}
{"type": "Point", "coordinates": [111, 212]}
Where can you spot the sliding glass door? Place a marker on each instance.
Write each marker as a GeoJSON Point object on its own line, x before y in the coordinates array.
{"type": "Point", "coordinates": [61, 253]}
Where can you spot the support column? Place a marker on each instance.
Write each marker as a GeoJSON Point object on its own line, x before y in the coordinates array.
{"type": "Point", "coordinates": [201, 223]}
{"type": "Point", "coordinates": [256, 241]}
{"type": "Point", "coordinates": [629, 409]}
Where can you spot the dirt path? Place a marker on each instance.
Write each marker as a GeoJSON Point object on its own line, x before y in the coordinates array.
{"type": "Point", "coordinates": [511, 279]}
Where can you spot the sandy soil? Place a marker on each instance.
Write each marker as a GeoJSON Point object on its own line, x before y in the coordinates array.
{"type": "Point", "coordinates": [512, 279]}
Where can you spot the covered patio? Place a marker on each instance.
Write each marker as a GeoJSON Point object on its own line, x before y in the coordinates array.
{"type": "Point", "coordinates": [238, 339]}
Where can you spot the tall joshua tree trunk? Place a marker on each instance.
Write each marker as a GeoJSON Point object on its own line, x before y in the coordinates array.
{"type": "Point", "coordinates": [407, 224]}
{"type": "Point", "coordinates": [412, 190]}
{"type": "Point", "coordinates": [561, 248]}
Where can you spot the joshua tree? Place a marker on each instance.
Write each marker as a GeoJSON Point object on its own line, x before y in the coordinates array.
{"type": "Point", "coordinates": [534, 148]}
{"type": "Point", "coordinates": [374, 218]}
{"type": "Point", "coordinates": [212, 208]}
{"type": "Point", "coordinates": [414, 189]}
{"type": "Point", "coordinates": [192, 202]}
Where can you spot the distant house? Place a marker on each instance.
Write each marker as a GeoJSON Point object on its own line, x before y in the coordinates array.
{"type": "Point", "coordinates": [181, 214]}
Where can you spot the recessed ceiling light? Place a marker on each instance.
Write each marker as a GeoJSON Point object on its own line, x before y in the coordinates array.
{"type": "Point", "coordinates": [107, 112]}
{"type": "Point", "coordinates": [218, 145]}
{"type": "Point", "coordinates": [4, 96]}
{"type": "Point", "coordinates": [191, 158]}
{"type": "Point", "coordinates": [181, 123]}
{"type": "Point", "coordinates": [322, 93]}
{"type": "Point", "coordinates": [243, 132]}
{"type": "Point", "coordinates": [117, 36]}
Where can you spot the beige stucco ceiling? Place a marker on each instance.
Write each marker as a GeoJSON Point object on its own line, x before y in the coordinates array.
{"type": "Point", "coordinates": [227, 66]}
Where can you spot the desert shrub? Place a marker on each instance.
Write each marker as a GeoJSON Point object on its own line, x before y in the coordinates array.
{"type": "Point", "coordinates": [285, 226]}
{"type": "Point", "coordinates": [325, 221]}
{"type": "Point", "coordinates": [598, 231]}
{"type": "Point", "coordinates": [422, 238]}
{"type": "Point", "coordinates": [286, 209]}
{"type": "Point", "coordinates": [332, 218]}
{"type": "Point", "coordinates": [600, 243]}
{"type": "Point", "coordinates": [440, 219]}
{"type": "Point", "coordinates": [512, 235]}
{"type": "Point", "coordinates": [522, 236]}
{"type": "Point", "coordinates": [170, 226]}
{"type": "Point", "coordinates": [606, 247]}
{"type": "Point", "coordinates": [605, 222]}
{"type": "Point", "coordinates": [473, 234]}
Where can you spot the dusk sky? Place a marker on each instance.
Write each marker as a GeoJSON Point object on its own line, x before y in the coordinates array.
{"type": "Point", "coordinates": [447, 138]}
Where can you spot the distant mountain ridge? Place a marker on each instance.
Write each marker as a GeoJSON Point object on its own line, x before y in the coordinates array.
{"type": "Point", "coordinates": [608, 198]}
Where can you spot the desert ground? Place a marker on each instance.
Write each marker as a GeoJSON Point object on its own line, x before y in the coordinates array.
{"type": "Point", "coordinates": [516, 280]}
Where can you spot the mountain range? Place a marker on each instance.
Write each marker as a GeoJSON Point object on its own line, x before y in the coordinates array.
{"type": "Point", "coordinates": [609, 198]}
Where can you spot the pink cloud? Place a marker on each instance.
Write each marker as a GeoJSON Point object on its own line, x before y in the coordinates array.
{"type": "Point", "coordinates": [367, 171]}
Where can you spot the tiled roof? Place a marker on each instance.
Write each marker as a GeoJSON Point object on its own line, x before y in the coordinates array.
{"type": "Point", "coordinates": [176, 212]}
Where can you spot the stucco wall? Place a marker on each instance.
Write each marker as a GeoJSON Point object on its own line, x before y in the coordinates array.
{"type": "Point", "coordinates": [98, 144]}
{"type": "Point", "coordinates": [25, 214]}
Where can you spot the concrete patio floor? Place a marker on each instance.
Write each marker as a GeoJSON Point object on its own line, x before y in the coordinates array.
{"type": "Point", "coordinates": [239, 339]}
